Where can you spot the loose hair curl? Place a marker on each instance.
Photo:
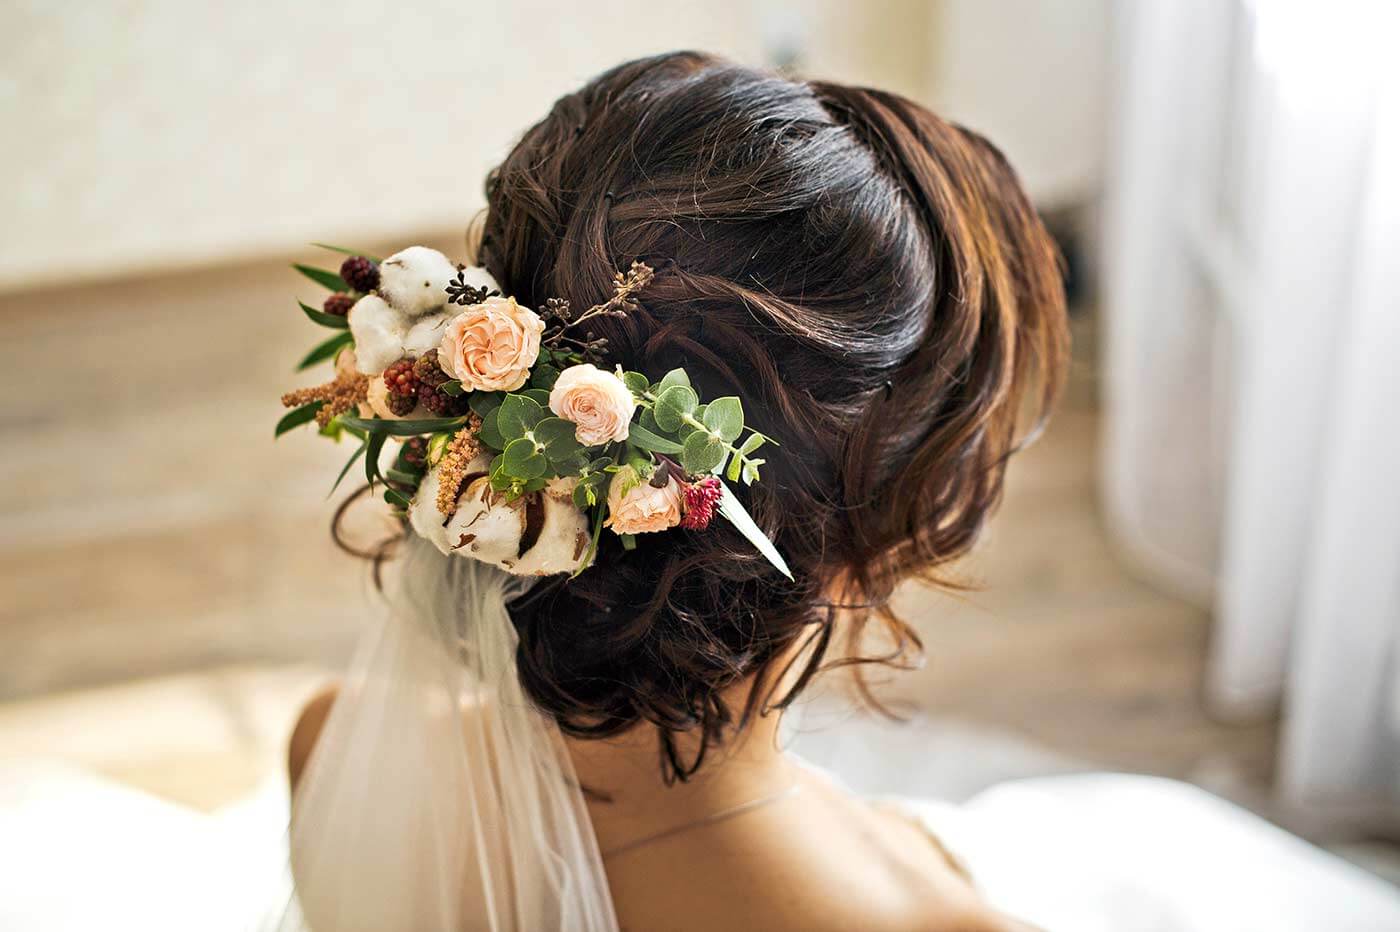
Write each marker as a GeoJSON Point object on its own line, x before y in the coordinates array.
{"type": "Point", "coordinates": [872, 282]}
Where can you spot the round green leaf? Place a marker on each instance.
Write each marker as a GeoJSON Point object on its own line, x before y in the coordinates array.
{"type": "Point", "coordinates": [558, 437]}
{"type": "Point", "coordinates": [673, 404]}
{"type": "Point", "coordinates": [701, 453]}
{"type": "Point", "coordinates": [544, 376]}
{"type": "Point", "coordinates": [483, 403]}
{"type": "Point", "coordinates": [490, 432]}
{"type": "Point", "coordinates": [520, 460]}
{"type": "Point", "coordinates": [636, 382]}
{"type": "Point", "coordinates": [725, 416]}
{"type": "Point", "coordinates": [540, 396]}
{"type": "Point", "coordinates": [517, 415]}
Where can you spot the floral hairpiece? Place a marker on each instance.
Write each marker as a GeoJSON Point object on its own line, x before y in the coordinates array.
{"type": "Point", "coordinates": [517, 446]}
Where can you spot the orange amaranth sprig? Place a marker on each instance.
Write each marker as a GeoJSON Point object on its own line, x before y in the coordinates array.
{"type": "Point", "coordinates": [341, 394]}
{"type": "Point", "coordinates": [452, 468]}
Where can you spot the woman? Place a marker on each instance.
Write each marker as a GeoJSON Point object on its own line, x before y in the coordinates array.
{"type": "Point", "coordinates": [873, 284]}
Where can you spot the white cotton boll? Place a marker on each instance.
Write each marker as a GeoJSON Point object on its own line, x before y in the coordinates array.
{"type": "Point", "coordinates": [426, 334]}
{"type": "Point", "coordinates": [379, 331]}
{"type": "Point", "coordinates": [486, 527]}
{"type": "Point", "coordinates": [414, 280]}
{"type": "Point", "coordinates": [423, 514]}
{"type": "Point", "coordinates": [563, 541]}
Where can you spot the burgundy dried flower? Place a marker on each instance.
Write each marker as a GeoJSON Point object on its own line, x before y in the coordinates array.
{"type": "Point", "coordinates": [701, 497]}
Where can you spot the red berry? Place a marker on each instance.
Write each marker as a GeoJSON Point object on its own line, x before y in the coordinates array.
{"type": "Point", "coordinates": [339, 304]}
{"type": "Point", "coordinates": [360, 273]}
{"type": "Point", "coordinates": [400, 378]}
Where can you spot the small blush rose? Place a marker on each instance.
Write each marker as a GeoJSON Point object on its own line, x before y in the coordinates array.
{"type": "Point", "coordinates": [596, 401]}
{"type": "Point", "coordinates": [637, 507]}
{"type": "Point", "coordinates": [491, 346]}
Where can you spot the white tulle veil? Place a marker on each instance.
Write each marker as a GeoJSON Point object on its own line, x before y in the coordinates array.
{"type": "Point", "coordinates": [438, 798]}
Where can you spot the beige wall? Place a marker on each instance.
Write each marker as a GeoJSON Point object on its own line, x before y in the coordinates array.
{"type": "Point", "coordinates": [152, 133]}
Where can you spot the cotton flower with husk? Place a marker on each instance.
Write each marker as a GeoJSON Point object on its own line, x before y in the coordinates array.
{"type": "Point", "coordinates": [378, 331]}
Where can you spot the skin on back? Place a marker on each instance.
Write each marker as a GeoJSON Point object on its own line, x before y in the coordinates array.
{"type": "Point", "coordinates": [819, 859]}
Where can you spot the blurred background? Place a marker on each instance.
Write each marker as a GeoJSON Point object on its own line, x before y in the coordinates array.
{"type": "Point", "coordinates": [1196, 572]}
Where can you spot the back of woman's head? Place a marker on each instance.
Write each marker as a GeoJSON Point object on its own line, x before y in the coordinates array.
{"type": "Point", "coordinates": [874, 285]}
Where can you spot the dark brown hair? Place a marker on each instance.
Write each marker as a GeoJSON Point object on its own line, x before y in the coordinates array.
{"type": "Point", "coordinates": [870, 280]}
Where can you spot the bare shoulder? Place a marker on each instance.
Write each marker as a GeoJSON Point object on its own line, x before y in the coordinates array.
{"type": "Point", "coordinates": [307, 731]}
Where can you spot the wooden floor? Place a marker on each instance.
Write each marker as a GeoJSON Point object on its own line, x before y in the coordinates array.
{"type": "Point", "coordinates": [151, 528]}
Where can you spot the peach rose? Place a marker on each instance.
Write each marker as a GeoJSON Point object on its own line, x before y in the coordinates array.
{"type": "Point", "coordinates": [635, 506]}
{"type": "Point", "coordinates": [491, 346]}
{"type": "Point", "coordinates": [596, 401]}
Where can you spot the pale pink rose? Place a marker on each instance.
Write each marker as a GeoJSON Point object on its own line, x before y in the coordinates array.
{"type": "Point", "coordinates": [643, 507]}
{"type": "Point", "coordinates": [596, 401]}
{"type": "Point", "coordinates": [491, 346]}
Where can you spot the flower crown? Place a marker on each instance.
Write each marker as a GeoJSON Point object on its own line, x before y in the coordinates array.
{"type": "Point", "coordinates": [516, 446]}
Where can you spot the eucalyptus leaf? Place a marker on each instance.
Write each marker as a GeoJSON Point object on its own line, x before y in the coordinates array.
{"type": "Point", "coordinates": [323, 278]}
{"type": "Point", "coordinates": [755, 441]}
{"type": "Point", "coordinates": [521, 460]}
{"type": "Point", "coordinates": [536, 484]}
{"type": "Point", "coordinates": [490, 433]}
{"type": "Point", "coordinates": [673, 404]}
{"type": "Point", "coordinates": [538, 395]}
{"type": "Point", "coordinates": [750, 471]}
{"type": "Point", "coordinates": [483, 403]}
{"type": "Point", "coordinates": [674, 377]}
{"type": "Point", "coordinates": [648, 421]}
{"type": "Point", "coordinates": [629, 541]}
{"type": "Point", "coordinates": [401, 477]}
{"type": "Point", "coordinates": [297, 417]}
{"type": "Point", "coordinates": [647, 440]}
{"type": "Point", "coordinates": [334, 321]}
{"type": "Point", "coordinates": [736, 463]}
{"type": "Point", "coordinates": [393, 428]}
{"type": "Point", "coordinates": [326, 350]}
{"type": "Point", "coordinates": [636, 383]}
{"type": "Point", "coordinates": [394, 497]}
{"type": "Point", "coordinates": [543, 377]}
{"type": "Point", "coordinates": [558, 437]}
{"type": "Point", "coordinates": [734, 512]}
{"type": "Point", "coordinates": [452, 387]}
{"type": "Point", "coordinates": [518, 414]}
{"type": "Point", "coordinates": [701, 453]}
{"type": "Point", "coordinates": [724, 416]}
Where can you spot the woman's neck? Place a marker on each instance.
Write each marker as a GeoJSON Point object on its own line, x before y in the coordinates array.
{"type": "Point", "coordinates": [629, 799]}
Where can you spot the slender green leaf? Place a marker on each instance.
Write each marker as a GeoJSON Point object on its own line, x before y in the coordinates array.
{"type": "Point", "coordinates": [326, 350]}
{"type": "Point", "coordinates": [402, 478]}
{"type": "Point", "coordinates": [647, 440]}
{"type": "Point", "coordinates": [733, 510]}
{"type": "Point", "coordinates": [373, 445]}
{"type": "Point", "coordinates": [429, 425]}
{"type": "Point", "coordinates": [323, 278]}
{"type": "Point", "coordinates": [346, 468]}
{"type": "Point", "coordinates": [334, 321]}
{"type": "Point", "coordinates": [347, 252]}
{"type": "Point", "coordinates": [297, 417]}
{"type": "Point", "coordinates": [394, 497]}
{"type": "Point", "coordinates": [724, 416]}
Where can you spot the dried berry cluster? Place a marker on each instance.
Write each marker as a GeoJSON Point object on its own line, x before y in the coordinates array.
{"type": "Point", "coordinates": [459, 292]}
{"type": "Point", "coordinates": [360, 273]}
{"type": "Point", "coordinates": [339, 304]}
{"type": "Point", "coordinates": [430, 377]}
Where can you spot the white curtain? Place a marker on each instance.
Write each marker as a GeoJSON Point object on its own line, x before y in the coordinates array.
{"type": "Point", "coordinates": [1252, 299]}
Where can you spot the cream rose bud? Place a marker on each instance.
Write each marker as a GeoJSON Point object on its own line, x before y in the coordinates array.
{"type": "Point", "coordinates": [414, 280]}
{"type": "Point", "coordinates": [598, 403]}
{"type": "Point", "coordinates": [491, 346]}
{"type": "Point", "coordinates": [643, 507]}
{"type": "Point", "coordinates": [378, 330]}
